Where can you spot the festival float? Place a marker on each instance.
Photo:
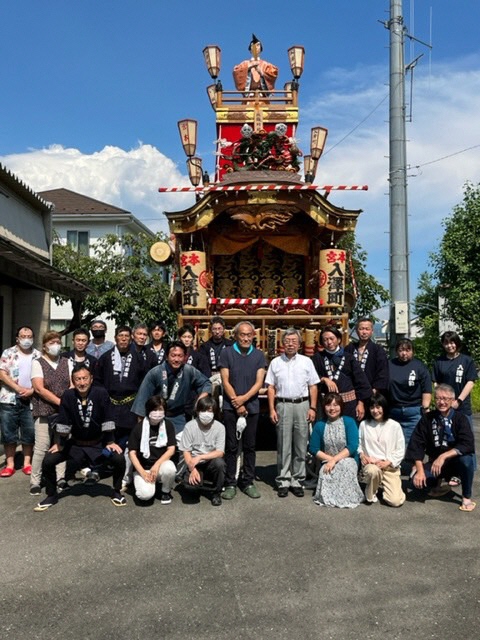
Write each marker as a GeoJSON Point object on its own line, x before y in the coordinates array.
{"type": "Point", "coordinates": [260, 242]}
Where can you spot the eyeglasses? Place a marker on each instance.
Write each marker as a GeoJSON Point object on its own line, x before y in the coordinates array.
{"type": "Point", "coordinates": [443, 399]}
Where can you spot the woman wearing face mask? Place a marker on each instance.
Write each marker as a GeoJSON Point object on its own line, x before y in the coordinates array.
{"type": "Point", "coordinates": [50, 378]}
{"type": "Point", "coordinates": [150, 447]}
{"type": "Point", "coordinates": [203, 447]}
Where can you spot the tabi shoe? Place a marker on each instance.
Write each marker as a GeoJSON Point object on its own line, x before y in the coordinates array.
{"type": "Point", "coordinates": [282, 492]}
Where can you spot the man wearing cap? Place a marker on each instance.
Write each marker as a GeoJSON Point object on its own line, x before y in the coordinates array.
{"type": "Point", "coordinates": [292, 401]}
{"type": "Point", "coordinates": [98, 345]}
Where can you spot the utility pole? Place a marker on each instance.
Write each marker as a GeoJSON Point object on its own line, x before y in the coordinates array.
{"type": "Point", "coordinates": [399, 259]}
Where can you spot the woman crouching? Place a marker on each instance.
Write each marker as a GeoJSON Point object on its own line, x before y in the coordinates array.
{"type": "Point", "coordinates": [381, 448]}
{"type": "Point", "coordinates": [150, 447]}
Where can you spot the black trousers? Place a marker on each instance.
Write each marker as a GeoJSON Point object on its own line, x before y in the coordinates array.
{"type": "Point", "coordinates": [81, 457]}
{"type": "Point", "coordinates": [248, 439]}
{"type": "Point", "coordinates": [211, 470]}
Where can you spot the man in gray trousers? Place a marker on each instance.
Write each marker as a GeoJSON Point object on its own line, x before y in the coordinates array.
{"type": "Point", "coordinates": [292, 401]}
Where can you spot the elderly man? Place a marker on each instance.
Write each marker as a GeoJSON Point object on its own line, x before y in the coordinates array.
{"type": "Point", "coordinates": [371, 356]}
{"type": "Point", "coordinates": [292, 400]}
{"type": "Point", "coordinates": [174, 381]}
{"type": "Point", "coordinates": [445, 437]}
{"type": "Point", "coordinates": [98, 345]}
{"type": "Point", "coordinates": [242, 368]}
{"type": "Point", "coordinates": [15, 400]}
{"type": "Point", "coordinates": [84, 434]}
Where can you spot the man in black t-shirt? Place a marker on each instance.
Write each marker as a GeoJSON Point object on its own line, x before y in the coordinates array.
{"type": "Point", "coordinates": [242, 368]}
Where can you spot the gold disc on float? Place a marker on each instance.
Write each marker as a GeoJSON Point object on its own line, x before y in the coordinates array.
{"type": "Point", "coordinates": [160, 251]}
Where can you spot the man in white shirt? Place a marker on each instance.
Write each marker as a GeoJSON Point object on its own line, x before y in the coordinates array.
{"type": "Point", "coordinates": [15, 400]}
{"type": "Point", "coordinates": [292, 400]}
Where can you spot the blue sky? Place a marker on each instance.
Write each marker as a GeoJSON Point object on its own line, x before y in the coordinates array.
{"type": "Point", "coordinates": [92, 91]}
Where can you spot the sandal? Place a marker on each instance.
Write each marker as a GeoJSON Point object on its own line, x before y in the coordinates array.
{"type": "Point", "coordinates": [470, 506]}
{"type": "Point", "coordinates": [7, 472]}
{"type": "Point", "coordinates": [27, 470]}
{"type": "Point", "coordinates": [454, 481]}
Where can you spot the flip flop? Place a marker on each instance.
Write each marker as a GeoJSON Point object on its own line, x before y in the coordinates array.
{"type": "Point", "coordinates": [468, 507]}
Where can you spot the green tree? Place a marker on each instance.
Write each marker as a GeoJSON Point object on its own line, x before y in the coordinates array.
{"type": "Point", "coordinates": [425, 308]}
{"type": "Point", "coordinates": [127, 283]}
{"type": "Point", "coordinates": [371, 294]}
{"type": "Point", "coordinates": [456, 267]}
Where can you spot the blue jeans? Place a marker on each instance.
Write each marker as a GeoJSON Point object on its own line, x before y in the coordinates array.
{"type": "Point", "coordinates": [17, 423]}
{"type": "Point", "coordinates": [461, 466]}
{"type": "Point", "coordinates": [408, 418]}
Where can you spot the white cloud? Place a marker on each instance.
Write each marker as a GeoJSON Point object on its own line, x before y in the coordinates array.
{"type": "Point", "coordinates": [127, 179]}
{"type": "Point", "coordinates": [446, 104]}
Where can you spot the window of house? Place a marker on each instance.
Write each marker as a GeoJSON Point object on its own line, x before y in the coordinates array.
{"type": "Point", "coordinates": [80, 241]}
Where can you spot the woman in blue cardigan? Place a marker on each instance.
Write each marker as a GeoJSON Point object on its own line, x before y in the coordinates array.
{"type": "Point", "coordinates": [334, 443]}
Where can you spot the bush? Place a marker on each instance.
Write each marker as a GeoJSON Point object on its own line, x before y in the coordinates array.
{"type": "Point", "coordinates": [476, 397]}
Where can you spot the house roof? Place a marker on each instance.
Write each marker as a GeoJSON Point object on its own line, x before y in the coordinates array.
{"type": "Point", "coordinates": [10, 180]}
{"type": "Point", "coordinates": [67, 201]}
{"type": "Point", "coordinates": [23, 266]}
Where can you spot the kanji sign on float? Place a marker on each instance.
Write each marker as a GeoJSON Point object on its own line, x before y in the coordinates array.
{"type": "Point", "coordinates": [332, 276]}
{"type": "Point", "coordinates": [192, 276]}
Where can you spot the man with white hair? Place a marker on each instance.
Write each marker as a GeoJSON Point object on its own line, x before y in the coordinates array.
{"type": "Point", "coordinates": [242, 368]}
{"type": "Point", "coordinates": [292, 400]}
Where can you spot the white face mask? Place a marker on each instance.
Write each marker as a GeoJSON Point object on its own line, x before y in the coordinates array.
{"type": "Point", "coordinates": [155, 417]}
{"type": "Point", "coordinates": [54, 349]}
{"type": "Point", "coordinates": [25, 343]}
{"type": "Point", "coordinates": [205, 417]}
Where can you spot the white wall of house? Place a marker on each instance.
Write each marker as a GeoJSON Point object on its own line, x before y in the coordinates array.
{"type": "Point", "coordinates": [97, 227]}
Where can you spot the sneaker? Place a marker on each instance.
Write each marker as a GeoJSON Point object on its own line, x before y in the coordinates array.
{"type": "Point", "coordinates": [372, 501]}
{"type": "Point", "coordinates": [229, 493]}
{"type": "Point", "coordinates": [62, 485]}
{"type": "Point", "coordinates": [84, 472]}
{"type": "Point", "coordinates": [251, 491]}
{"type": "Point", "coordinates": [35, 490]}
{"type": "Point", "coordinates": [165, 498]}
{"type": "Point", "coordinates": [49, 501]}
{"type": "Point", "coordinates": [118, 500]}
{"type": "Point", "coordinates": [92, 477]}
{"type": "Point", "coordinates": [282, 492]}
{"type": "Point", "coordinates": [216, 500]}
{"type": "Point", "coordinates": [298, 492]}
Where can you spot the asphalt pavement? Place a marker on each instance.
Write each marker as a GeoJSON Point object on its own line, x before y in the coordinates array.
{"type": "Point", "coordinates": [251, 569]}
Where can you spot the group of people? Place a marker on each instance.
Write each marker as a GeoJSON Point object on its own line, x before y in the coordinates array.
{"type": "Point", "coordinates": [158, 412]}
